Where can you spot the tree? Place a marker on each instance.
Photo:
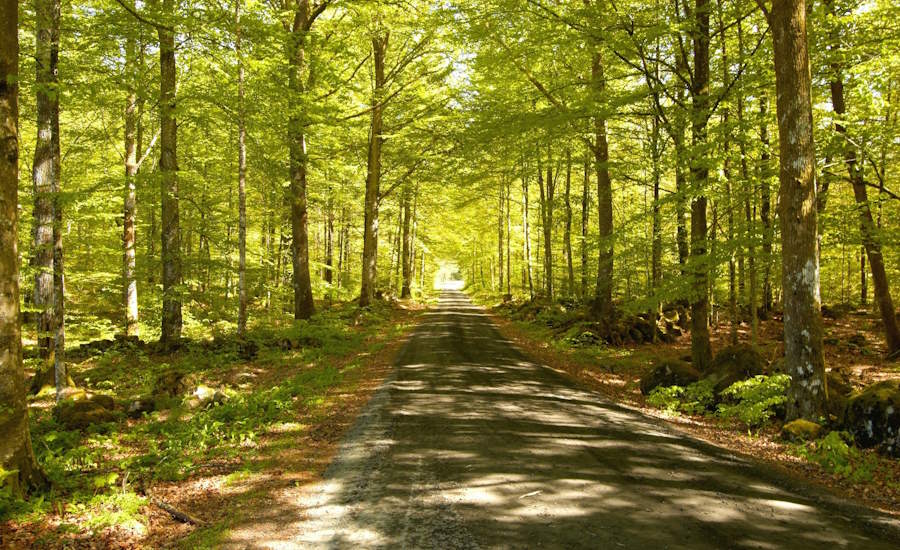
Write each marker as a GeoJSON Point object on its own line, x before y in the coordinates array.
{"type": "Point", "coordinates": [168, 168]}
{"type": "Point", "coordinates": [797, 198]}
{"type": "Point", "coordinates": [242, 178]}
{"type": "Point", "coordinates": [18, 467]}
{"type": "Point", "coordinates": [47, 229]}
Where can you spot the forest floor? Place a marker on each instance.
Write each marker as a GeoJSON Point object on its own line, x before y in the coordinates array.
{"type": "Point", "coordinates": [288, 407]}
{"type": "Point", "coordinates": [853, 345]}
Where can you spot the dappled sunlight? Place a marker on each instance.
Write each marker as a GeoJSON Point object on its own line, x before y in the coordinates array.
{"type": "Point", "coordinates": [471, 442]}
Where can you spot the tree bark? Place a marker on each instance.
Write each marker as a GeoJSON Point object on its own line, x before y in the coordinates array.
{"type": "Point", "coordinates": [407, 260]}
{"type": "Point", "coordinates": [547, 194]}
{"type": "Point", "coordinates": [45, 173]}
{"type": "Point", "coordinates": [501, 267]}
{"type": "Point", "coordinates": [242, 180]}
{"type": "Point", "coordinates": [129, 277]}
{"type": "Point", "coordinates": [765, 208]}
{"type": "Point", "coordinates": [373, 174]}
{"type": "Point", "coordinates": [797, 198]}
{"type": "Point", "coordinates": [602, 306]}
{"type": "Point", "coordinates": [16, 454]}
{"type": "Point", "coordinates": [585, 221]}
{"type": "Point", "coordinates": [304, 307]}
{"type": "Point", "coordinates": [567, 233]}
{"type": "Point", "coordinates": [168, 167]}
{"type": "Point", "coordinates": [526, 238]}
{"type": "Point", "coordinates": [701, 351]}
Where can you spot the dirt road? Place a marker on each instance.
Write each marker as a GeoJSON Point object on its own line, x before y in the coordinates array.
{"type": "Point", "coordinates": [470, 445]}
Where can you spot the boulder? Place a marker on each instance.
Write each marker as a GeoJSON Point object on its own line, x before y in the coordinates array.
{"type": "Point", "coordinates": [83, 410]}
{"type": "Point", "coordinates": [873, 417]}
{"type": "Point", "coordinates": [669, 373]}
{"type": "Point", "coordinates": [801, 430]}
{"type": "Point", "coordinates": [204, 396]}
{"type": "Point", "coordinates": [839, 391]}
{"type": "Point", "coordinates": [734, 364]}
{"type": "Point", "coordinates": [173, 384]}
{"type": "Point", "coordinates": [138, 407]}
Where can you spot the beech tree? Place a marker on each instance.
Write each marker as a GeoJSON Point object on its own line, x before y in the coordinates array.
{"type": "Point", "coordinates": [18, 467]}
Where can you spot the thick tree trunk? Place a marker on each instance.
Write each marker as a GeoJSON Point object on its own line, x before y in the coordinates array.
{"type": "Point", "coordinates": [304, 307]}
{"type": "Point", "coordinates": [868, 228]}
{"type": "Point", "coordinates": [602, 306]}
{"type": "Point", "coordinates": [373, 175]}
{"type": "Point", "coordinates": [242, 179]}
{"type": "Point", "coordinates": [129, 277]}
{"type": "Point", "coordinates": [701, 351]}
{"type": "Point", "coordinates": [45, 172]}
{"type": "Point", "coordinates": [168, 167]}
{"type": "Point", "coordinates": [797, 199]}
{"type": "Point", "coordinates": [16, 454]}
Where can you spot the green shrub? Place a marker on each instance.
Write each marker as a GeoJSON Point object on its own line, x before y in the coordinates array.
{"type": "Point", "coordinates": [755, 401]}
{"type": "Point", "coordinates": [835, 453]}
{"type": "Point", "coordinates": [696, 398]}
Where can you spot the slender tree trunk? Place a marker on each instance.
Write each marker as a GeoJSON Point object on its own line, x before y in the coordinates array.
{"type": "Point", "coordinates": [328, 271]}
{"type": "Point", "coordinates": [567, 234]}
{"type": "Point", "coordinates": [526, 244]}
{"type": "Point", "coordinates": [16, 454]}
{"type": "Point", "coordinates": [733, 319]}
{"type": "Point", "coordinates": [242, 180]}
{"type": "Point", "coordinates": [406, 290]}
{"type": "Point", "coordinates": [129, 277]}
{"type": "Point", "coordinates": [797, 199]}
{"type": "Point", "coordinates": [585, 221]}
{"type": "Point", "coordinates": [168, 167]}
{"type": "Point", "coordinates": [749, 207]}
{"type": "Point", "coordinates": [304, 307]}
{"type": "Point", "coordinates": [701, 351]}
{"type": "Point", "coordinates": [508, 238]}
{"type": "Point", "coordinates": [765, 208]}
{"type": "Point", "coordinates": [868, 228]}
{"type": "Point", "coordinates": [500, 235]}
{"type": "Point", "coordinates": [373, 174]}
{"type": "Point", "coordinates": [656, 230]}
{"type": "Point", "coordinates": [547, 192]}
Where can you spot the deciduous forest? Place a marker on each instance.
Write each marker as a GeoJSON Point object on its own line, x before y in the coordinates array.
{"type": "Point", "coordinates": [223, 221]}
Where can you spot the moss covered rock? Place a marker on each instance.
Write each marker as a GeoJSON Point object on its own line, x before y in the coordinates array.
{"type": "Point", "coordinates": [669, 373]}
{"type": "Point", "coordinates": [801, 430]}
{"type": "Point", "coordinates": [83, 410]}
{"type": "Point", "coordinates": [873, 417]}
{"type": "Point", "coordinates": [734, 364]}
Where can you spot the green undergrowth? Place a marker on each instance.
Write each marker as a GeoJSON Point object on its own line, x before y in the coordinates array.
{"type": "Point", "coordinates": [753, 402]}
{"type": "Point", "coordinates": [98, 476]}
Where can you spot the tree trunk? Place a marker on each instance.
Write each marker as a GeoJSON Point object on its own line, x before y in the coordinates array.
{"type": "Point", "coordinates": [656, 230]}
{"type": "Point", "coordinates": [168, 167]}
{"type": "Point", "coordinates": [500, 236]}
{"type": "Point", "coordinates": [797, 198]}
{"type": "Point", "coordinates": [729, 192]}
{"type": "Point", "coordinates": [242, 180]}
{"type": "Point", "coordinates": [373, 175]}
{"type": "Point", "coordinates": [867, 223]}
{"type": "Point", "coordinates": [602, 306]}
{"type": "Point", "coordinates": [585, 220]}
{"type": "Point", "coordinates": [567, 234]}
{"type": "Point", "coordinates": [129, 277]}
{"type": "Point", "coordinates": [304, 307]}
{"type": "Point", "coordinates": [45, 173]}
{"type": "Point", "coordinates": [526, 238]}
{"type": "Point", "coordinates": [508, 239]}
{"type": "Point", "coordinates": [765, 208]}
{"type": "Point", "coordinates": [406, 288]}
{"type": "Point", "coordinates": [701, 351]}
{"type": "Point", "coordinates": [16, 454]}
{"type": "Point", "coordinates": [547, 191]}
